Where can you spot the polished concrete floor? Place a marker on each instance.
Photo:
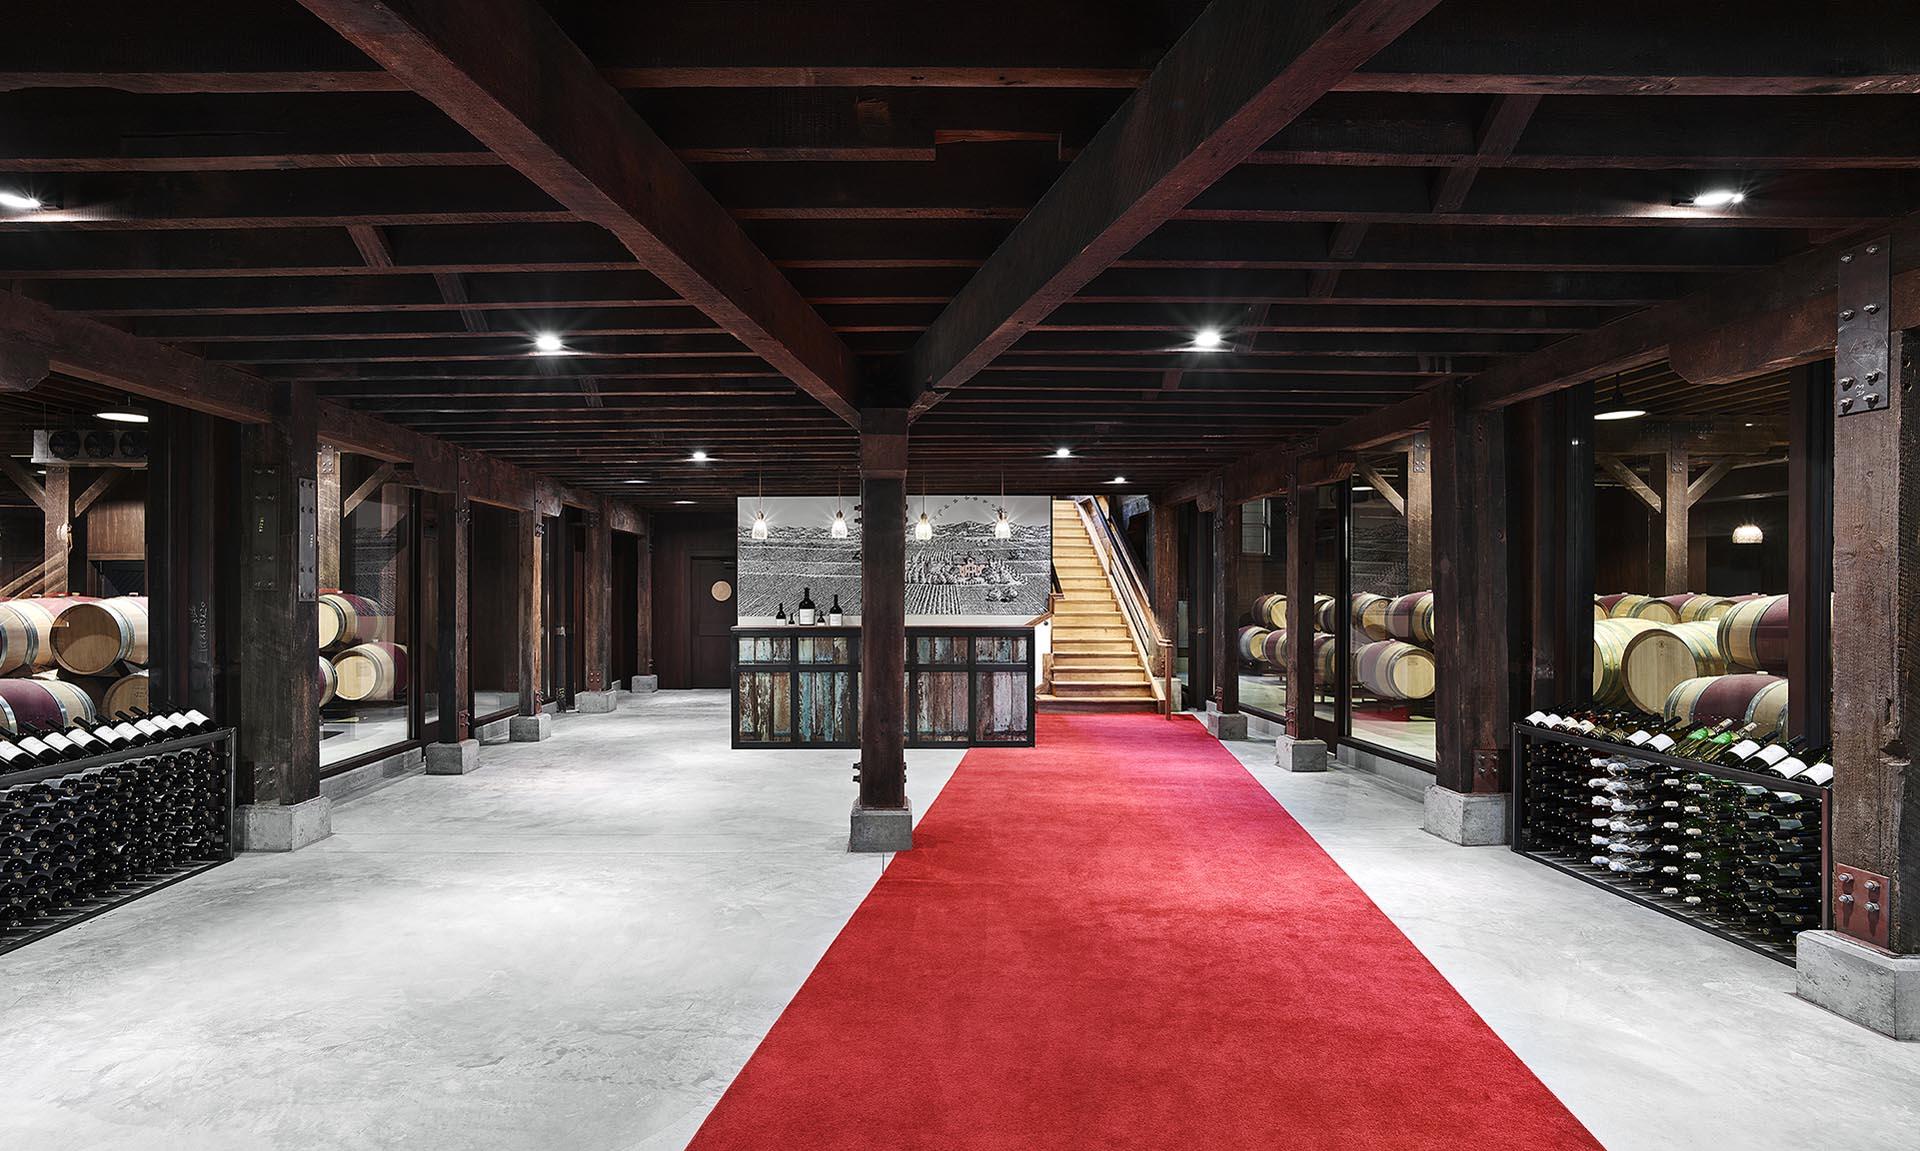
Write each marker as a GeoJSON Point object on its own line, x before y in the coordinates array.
{"type": "Point", "coordinates": [580, 944]}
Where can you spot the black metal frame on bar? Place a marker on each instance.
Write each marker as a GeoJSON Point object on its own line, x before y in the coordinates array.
{"type": "Point", "coordinates": [124, 893]}
{"type": "Point", "coordinates": [918, 669]}
{"type": "Point", "coordinates": [792, 667]}
{"type": "Point", "coordinates": [1517, 822]}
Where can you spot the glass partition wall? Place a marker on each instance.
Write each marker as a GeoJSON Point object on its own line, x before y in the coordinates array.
{"type": "Point", "coordinates": [493, 577]}
{"type": "Point", "coordinates": [1260, 642]}
{"type": "Point", "coordinates": [366, 613]}
{"type": "Point", "coordinates": [1388, 624]}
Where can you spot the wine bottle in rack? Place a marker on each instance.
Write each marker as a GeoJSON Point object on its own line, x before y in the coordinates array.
{"type": "Point", "coordinates": [13, 757]}
{"type": "Point", "coordinates": [1747, 741]}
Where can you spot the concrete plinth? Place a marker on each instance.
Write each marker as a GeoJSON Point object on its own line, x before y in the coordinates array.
{"type": "Point", "coordinates": [453, 758]}
{"type": "Point", "coordinates": [530, 728]}
{"type": "Point", "coordinates": [1300, 754]}
{"type": "Point", "coordinates": [1476, 820]}
{"type": "Point", "coordinates": [288, 827]}
{"type": "Point", "coordinates": [1224, 725]}
{"type": "Point", "coordinates": [1860, 983]}
{"type": "Point", "coordinates": [595, 702]}
{"type": "Point", "coordinates": [881, 828]}
{"type": "Point", "coordinates": [641, 684]}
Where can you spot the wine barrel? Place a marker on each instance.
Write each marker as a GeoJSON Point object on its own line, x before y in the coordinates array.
{"type": "Point", "coordinates": [346, 619]}
{"type": "Point", "coordinates": [1627, 606]}
{"type": "Point", "coordinates": [1324, 659]}
{"type": "Point", "coordinates": [1370, 614]}
{"type": "Point", "coordinates": [329, 682]}
{"type": "Point", "coordinates": [1717, 697]}
{"type": "Point", "coordinates": [26, 632]}
{"type": "Point", "coordinates": [1769, 706]}
{"type": "Point", "coordinates": [1693, 607]}
{"type": "Point", "coordinates": [1753, 634]}
{"type": "Point", "coordinates": [1391, 669]}
{"type": "Point", "coordinates": [1410, 618]}
{"type": "Point", "coordinates": [46, 702]}
{"type": "Point", "coordinates": [90, 638]}
{"type": "Point", "coordinates": [1610, 638]}
{"type": "Point", "coordinates": [1267, 606]}
{"type": "Point", "coordinates": [1656, 659]}
{"type": "Point", "coordinates": [128, 693]}
{"type": "Point", "coordinates": [1273, 649]}
{"type": "Point", "coordinates": [376, 670]}
{"type": "Point", "coordinates": [1599, 611]}
{"type": "Point", "coordinates": [1252, 639]}
{"type": "Point", "coordinates": [1325, 616]}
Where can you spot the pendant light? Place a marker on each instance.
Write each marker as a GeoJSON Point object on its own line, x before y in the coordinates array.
{"type": "Point", "coordinates": [1618, 408]}
{"type": "Point", "coordinates": [1748, 534]}
{"type": "Point", "coordinates": [923, 531]}
{"type": "Point", "coordinates": [1002, 528]}
{"type": "Point", "coordinates": [838, 528]}
{"type": "Point", "coordinates": [759, 531]}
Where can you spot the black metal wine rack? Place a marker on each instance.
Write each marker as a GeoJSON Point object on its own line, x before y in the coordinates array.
{"type": "Point", "coordinates": [85, 836]}
{"type": "Point", "coordinates": [1758, 885]}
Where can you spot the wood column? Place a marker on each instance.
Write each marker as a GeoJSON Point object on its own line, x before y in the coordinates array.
{"type": "Point", "coordinates": [1302, 507]}
{"type": "Point", "coordinates": [596, 614]}
{"type": "Point", "coordinates": [883, 610]}
{"type": "Point", "coordinates": [1166, 575]}
{"type": "Point", "coordinates": [277, 649]}
{"type": "Point", "coordinates": [1226, 603]}
{"type": "Point", "coordinates": [532, 613]}
{"type": "Point", "coordinates": [327, 508]}
{"type": "Point", "coordinates": [58, 534]}
{"type": "Point", "coordinates": [1670, 574]}
{"type": "Point", "coordinates": [455, 616]}
{"type": "Point", "coordinates": [1419, 511]}
{"type": "Point", "coordinates": [1876, 648]}
{"type": "Point", "coordinates": [1810, 550]}
{"type": "Point", "coordinates": [1470, 592]}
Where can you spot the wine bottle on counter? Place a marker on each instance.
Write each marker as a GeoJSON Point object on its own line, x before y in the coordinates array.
{"type": "Point", "coordinates": [780, 615]}
{"type": "Point", "coordinates": [835, 616]}
{"type": "Point", "coordinates": [807, 614]}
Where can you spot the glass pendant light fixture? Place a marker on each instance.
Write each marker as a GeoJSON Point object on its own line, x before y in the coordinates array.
{"type": "Point", "coordinates": [1749, 534]}
{"type": "Point", "coordinates": [838, 528]}
{"type": "Point", "coordinates": [923, 531]}
{"type": "Point", "coordinates": [1002, 527]}
{"type": "Point", "coordinates": [760, 530]}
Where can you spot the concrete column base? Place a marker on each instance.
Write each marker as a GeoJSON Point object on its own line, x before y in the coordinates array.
{"type": "Point", "coordinates": [1300, 754]}
{"type": "Point", "coordinates": [453, 758]}
{"type": "Point", "coordinates": [1861, 983]}
{"type": "Point", "coordinates": [278, 827]}
{"type": "Point", "coordinates": [1470, 820]}
{"type": "Point", "coordinates": [1224, 725]}
{"type": "Point", "coordinates": [530, 728]}
{"type": "Point", "coordinates": [595, 702]}
{"type": "Point", "coordinates": [641, 684]}
{"type": "Point", "coordinates": [881, 828]}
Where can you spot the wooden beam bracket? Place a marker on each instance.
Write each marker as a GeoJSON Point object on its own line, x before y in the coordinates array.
{"type": "Point", "coordinates": [1630, 480]}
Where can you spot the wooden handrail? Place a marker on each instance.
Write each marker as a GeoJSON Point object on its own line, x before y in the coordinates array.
{"type": "Point", "coordinates": [26, 583]}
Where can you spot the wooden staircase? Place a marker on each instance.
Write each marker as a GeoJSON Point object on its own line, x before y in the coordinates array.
{"type": "Point", "coordinates": [1096, 666]}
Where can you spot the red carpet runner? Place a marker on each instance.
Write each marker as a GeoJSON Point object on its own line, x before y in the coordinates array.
{"type": "Point", "coordinates": [1119, 940]}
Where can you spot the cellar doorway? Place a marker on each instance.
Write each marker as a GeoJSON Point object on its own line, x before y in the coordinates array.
{"type": "Point", "coordinates": [710, 619]}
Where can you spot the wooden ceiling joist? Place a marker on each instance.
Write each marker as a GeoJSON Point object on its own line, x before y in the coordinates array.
{"type": "Point", "coordinates": [1241, 73]}
{"type": "Point", "coordinates": [506, 72]}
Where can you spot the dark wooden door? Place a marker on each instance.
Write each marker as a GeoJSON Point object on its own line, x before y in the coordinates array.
{"type": "Point", "coordinates": [710, 619]}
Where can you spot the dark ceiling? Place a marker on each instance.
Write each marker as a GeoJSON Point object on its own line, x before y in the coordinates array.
{"type": "Point", "coordinates": [235, 178]}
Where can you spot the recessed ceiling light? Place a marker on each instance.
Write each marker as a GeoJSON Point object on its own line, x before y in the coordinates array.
{"type": "Point", "coordinates": [20, 202]}
{"type": "Point", "coordinates": [1719, 198]}
{"type": "Point", "coordinates": [636, 481]}
{"type": "Point", "coordinates": [683, 501]}
{"type": "Point", "coordinates": [1118, 480]}
{"type": "Point", "coordinates": [1063, 453]}
{"type": "Point", "coordinates": [699, 457]}
{"type": "Point", "coordinates": [122, 416]}
{"type": "Point", "coordinates": [548, 343]}
{"type": "Point", "coordinates": [1207, 339]}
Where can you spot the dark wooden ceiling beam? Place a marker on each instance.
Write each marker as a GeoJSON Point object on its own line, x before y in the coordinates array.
{"type": "Point", "coordinates": [505, 71]}
{"type": "Point", "coordinates": [1342, 246]}
{"type": "Point", "coordinates": [1499, 134]}
{"type": "Point", "coordinates": [1757, 48]}
{"type": "Point", "coordinates": [1240, 74]}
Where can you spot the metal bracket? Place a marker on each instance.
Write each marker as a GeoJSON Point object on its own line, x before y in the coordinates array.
{"type": "Point", "coordinates": [1862, 373]}
{"type": "Point", "coordinates": [1862, 904]}
{"type": "Point", "coordinates": [307, 543]}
